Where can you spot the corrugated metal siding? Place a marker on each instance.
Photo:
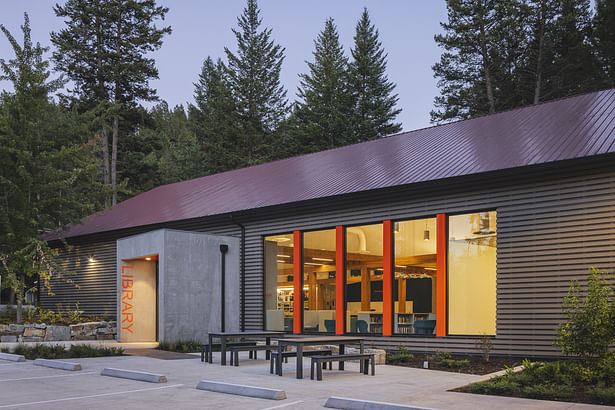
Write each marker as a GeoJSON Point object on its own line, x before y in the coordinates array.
{"type": "Point", "coordinates": [551, 228]}
{"type": "Point", "coordinates": [92, 285]}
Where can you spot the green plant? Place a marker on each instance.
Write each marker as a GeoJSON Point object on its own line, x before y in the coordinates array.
{"type": "Point", "coordinates": [548, 391]}
{"type": "Point", "coordinates": [590, 326]}
{"type": "Point", "coordinates": [402, 348]}
{"type": "Point", "coordinates": [182, 346]}
{"type": "Point", "coordinates": [75, 315]}
{"type": "Point", "coordinates": [440, 356]}
{"type": "Point", "coordinates": [603, 395]}
{"type": "Point", "coordinates": [393, 358]}
{"type": "Point", "coordinates": [497, 386]}
{"type": "Point", "coordinates": [455, 364]}
{"type": "Point", "coordinates": [58, 351]}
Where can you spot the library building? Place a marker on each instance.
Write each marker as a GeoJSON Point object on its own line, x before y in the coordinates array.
{"type": "Point", "coordinates": [430, 239]}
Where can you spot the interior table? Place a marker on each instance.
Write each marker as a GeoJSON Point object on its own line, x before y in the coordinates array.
{"type": "Point", "coordinates": [252, 334]}
{"type": "Point", "coordinates": [301, 342]}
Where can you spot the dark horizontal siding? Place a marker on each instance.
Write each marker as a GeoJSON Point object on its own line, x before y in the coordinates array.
{"type": "Point", "coordinates": [551, 228]}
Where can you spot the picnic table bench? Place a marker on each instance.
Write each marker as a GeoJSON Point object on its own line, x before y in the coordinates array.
{"type": "Point", "coordinates": [363, 357]}
{"type": "Point", "coordinates": [285, 355]}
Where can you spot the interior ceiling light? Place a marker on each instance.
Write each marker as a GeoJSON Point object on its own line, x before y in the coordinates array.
{"type": "Point", "coordinates": [279, 261]}
{"type": "Point", "coordinates": [400, 266]}
{"type": "Point", "coordinates": [322, 259]}
{"type": "Point", "coordinates": [426, 233]}
{"type": "Point", "coordinates": [280, 239]}
{"type": "Point", "coordinates": [148, 258]}
{"type": "Point", "coordinates": [430, 268]}
{"type": "Point", "coordinates": [283, 256]}
{"type": "Point", "coordinates": [396, 227]}
{"type": "Point", "coordinates": [314, 264]}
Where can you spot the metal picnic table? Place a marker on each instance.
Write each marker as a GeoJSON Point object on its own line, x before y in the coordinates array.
{"type": "Point", "coordinates": [225, 336]}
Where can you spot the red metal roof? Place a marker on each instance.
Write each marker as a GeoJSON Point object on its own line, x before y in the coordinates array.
{"type": "Point", "coordinates": [574, 127]}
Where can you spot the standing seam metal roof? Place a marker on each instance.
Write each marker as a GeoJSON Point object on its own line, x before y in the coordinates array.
{"type": "Point", "coordinates": [569, 128]}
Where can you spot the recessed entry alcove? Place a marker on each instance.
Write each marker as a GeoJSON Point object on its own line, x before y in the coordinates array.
{"type": "Point", "coordinates": [170, 284]}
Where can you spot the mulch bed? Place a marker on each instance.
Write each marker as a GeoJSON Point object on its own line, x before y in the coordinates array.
{"type": "Point", "coordinates": [477, 364]}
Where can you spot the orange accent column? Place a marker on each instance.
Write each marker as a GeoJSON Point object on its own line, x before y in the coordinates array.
{"type": "Point", "coordinates": [441, 239]}
{"type": "Point", "coordinates": [387, 279]}
{"type": "Point", "coordinates": [340, 240]}
{"type": "Point", "coordinates": [297, 279]}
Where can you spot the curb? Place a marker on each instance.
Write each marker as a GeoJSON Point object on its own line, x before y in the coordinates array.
{"type": "Point", "coordinates": [354, 404]}
{"type": "Point", "coordinates": [242, 390]}
{"type": "Point", "coordinates": [12, 357]}
{"type": "Point", "coordinates": [57, 364]}
{"type": "Point", "coordinates": [134, 375]}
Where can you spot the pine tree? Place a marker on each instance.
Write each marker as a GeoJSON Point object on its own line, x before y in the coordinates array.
{"type": "Point", "coordinates": [254, 79]}
{"type": "Point", "coordinates": [215, 120]}
{"type": "Point", "coordinates": [48, 174]}
{"type": "Point", "coordinates": [324, 112]}
{"type": "Point", "coordinates": [577, 69]}
{"type": "Point", "coordinates": [102, 50]}
{"type": "Point", "coordinates": [604, 38]}
{"type": "Point", "coordinates": [467, 70]}
{"type": "Point", "coordinates": [372, 93]}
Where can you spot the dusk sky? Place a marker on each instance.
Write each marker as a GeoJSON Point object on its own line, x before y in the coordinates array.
{"type": "Point", "coordinates": [203, 28]}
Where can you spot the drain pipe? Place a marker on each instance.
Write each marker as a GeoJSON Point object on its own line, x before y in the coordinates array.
{"type": "Point", "coordinates": [223, 251]}
{"type": "Point", "coordinates": [242, 273]}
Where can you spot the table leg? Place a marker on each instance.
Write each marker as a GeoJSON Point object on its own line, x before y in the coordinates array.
{"type": "Point", "coordinates": [299, 361]}
{"type": "Point", "coordinates": [267, 354]}
{"type": "Point", "coordinates": [361, 351]}
{"type": "Point", "coordinates": [278, 369]}
{"type": "Point", "coordinates": [210, 354]}
{"type": "Point", "coordinates": [342, 349]}
{"type": "Point", "coordinates": [223, 351]}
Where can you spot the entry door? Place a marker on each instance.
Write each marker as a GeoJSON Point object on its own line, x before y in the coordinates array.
{"type": "Point", "coordinates": [137, 293]}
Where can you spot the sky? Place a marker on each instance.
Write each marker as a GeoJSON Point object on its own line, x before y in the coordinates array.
{"type": "Point", "coordinates": [202, 28]}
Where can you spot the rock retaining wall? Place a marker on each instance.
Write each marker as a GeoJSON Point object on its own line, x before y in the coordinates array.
{"type": "Point", "coordinates": [50, 333]}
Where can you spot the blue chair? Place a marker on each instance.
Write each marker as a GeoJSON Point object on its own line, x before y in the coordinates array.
{"type": "Point", "coordinates": [330, 326]}
{"type": "Point", "coordinates": [424, 327]}
{"type": "Point", "coordinates": [288, 324]}
{"type": "Point", "coordinates": [362, 326]}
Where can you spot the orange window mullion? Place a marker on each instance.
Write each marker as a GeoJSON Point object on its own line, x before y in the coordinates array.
{"type": "Point", "coordinates": [441, 238]}
{"type": "Point", "coordinates": [387, 280]}
{"type": "Point", "coordinates": [339, 279]}
{"type": "Point", "coordinates": [297, 279]}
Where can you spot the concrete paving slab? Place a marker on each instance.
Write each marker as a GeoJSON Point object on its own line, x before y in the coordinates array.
{"type": "Point", "coordinates": [242, 390]}
{"type": "Point", "coordinates": [134, 375]}
{"type": "Point", "coordinates": [12, 357]}
{"type": "Point", "coordinates": [58, 364]}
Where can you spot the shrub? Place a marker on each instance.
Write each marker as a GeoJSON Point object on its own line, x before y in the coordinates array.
{"type": "Point", "coordinates": [400, 358]}
{"type": "Point", "coordinates": [603, 395]}
{"type": "Point", "coordinates": [589, 328]}
{"type": "Point", "coordinates": [497, 386]}
{"type": "Point", "coordinates": [485, 344]}
{"type": "Point", "coordinates": [58, 351]}
{"type": "Point", "coordinates": [455, 364]}
{"type": "Point", "coordinates": [182, 346]}
{"type": "Point", "coordinates": [548, 391]}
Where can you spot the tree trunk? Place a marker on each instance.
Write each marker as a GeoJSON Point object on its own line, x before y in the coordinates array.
{"type": "Point", "coordinates": [116, 125]}
{"type": "Point", "coordinates": [19, 295]}
{"type": "Point", "coordinates": [105, 144]}
{"type": "Point", "coordinates": [485, 56]}
{"type": "Point", "coordinates": [541, 42]}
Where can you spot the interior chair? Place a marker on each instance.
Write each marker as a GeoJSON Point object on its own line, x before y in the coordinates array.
{"type": "Point", "coordinates": [330, 325]}
{"type": "Point", "coordinates": [424, 327]}
{"type": "Point", "coordinates": [362, 326]}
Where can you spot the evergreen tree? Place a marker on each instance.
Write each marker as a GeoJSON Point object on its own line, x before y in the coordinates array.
{"type": "Point", "coordinates": [577, 69]}
{"type": "Point", "coordinates": [323, 115]}
{"type": "Point", "coordinates": [254, 79]}
{"type": "Point", "coordinates": [102, 50]}
{"type": "Point", "coordinates": [215, 120]}
{"type": "Point", "coordinates": [468, 69]}
{"type": "Point", "coordinates": [372, 92]}
{"type": "Point", "coordinates": [48, 174]}
{"type": "Point", "coordinates": [604, 38]}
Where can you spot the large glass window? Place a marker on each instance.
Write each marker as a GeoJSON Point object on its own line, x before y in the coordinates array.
{"type": "Point", "coordinates": [414, 284]}
{"type": "Point", "coordinates": [472, 274]}
{"type": "Point", "coordinates": [364, 279]}
{"type": "Point", "coordinates": [279, 294]}
{"type": "Point", "coordinates": [319, 281]}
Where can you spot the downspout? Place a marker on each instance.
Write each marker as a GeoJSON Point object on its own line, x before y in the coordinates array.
{"type": "Point", "coordinates": [223, 251]}
{"type": "Point", "coordinates": [242, 273]}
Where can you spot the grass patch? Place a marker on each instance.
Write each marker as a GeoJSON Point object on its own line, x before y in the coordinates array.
{"type": "Point", "coordinates": [182, 346]}
{"type": "Point", "coordinates": [57, 351]}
